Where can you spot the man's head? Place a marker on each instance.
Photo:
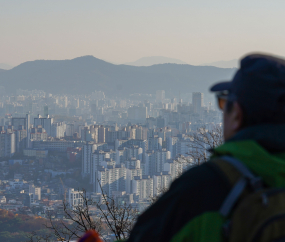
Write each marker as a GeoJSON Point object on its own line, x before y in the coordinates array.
{"type": "Point", "coordinates": [255, 96]}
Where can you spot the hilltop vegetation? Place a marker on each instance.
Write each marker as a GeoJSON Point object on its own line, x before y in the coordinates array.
{"type": "Point", "coordinates": [14, 227]}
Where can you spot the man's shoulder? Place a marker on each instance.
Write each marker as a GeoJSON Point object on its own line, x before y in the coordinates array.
{"type": "Point", "coordinates": [206, 176]}
{"type": "Point", "coordinates": [198, 190]}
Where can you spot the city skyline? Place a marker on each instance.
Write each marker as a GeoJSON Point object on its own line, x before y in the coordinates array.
{"type": "Point", "coordinates": [116, 115]}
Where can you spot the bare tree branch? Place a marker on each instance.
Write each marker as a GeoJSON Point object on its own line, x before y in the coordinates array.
{"type": "Point", "coordinates": [80, 222]}
{"type": "Point", "coordinates": [119, 218]}
{"type": "Point", "coordinates": [201, 141]}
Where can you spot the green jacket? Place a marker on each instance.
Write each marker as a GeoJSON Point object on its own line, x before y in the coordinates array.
{"type": "Point", "coordinates": [189, 211]}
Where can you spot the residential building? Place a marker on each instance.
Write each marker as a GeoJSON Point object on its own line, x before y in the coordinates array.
{"type": "Point", "coordinates": [197, 101]}
{"type": "Point", "coordinates": [87, 151]}
{"type": "Point", "coordinates": [45, 122]}
{"type": "Point", "coordinates": [74, 197]}
{"type": "Point", "coordinates": [142, 186]}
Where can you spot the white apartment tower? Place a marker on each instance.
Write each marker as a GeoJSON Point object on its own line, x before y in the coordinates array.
{"type": "Point", "coordinates": [143, 187]}
{"type": "Point", "coordinates": [74, 197]}
{"type": "Point", "coordinates": [112, 178]}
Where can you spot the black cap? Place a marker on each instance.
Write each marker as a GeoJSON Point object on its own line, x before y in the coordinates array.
{"type": "Point", "coordinates": [259, 87]}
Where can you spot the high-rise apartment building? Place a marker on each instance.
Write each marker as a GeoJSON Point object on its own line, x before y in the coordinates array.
{"type": "Point", "coordinates": [74, 197]}
{"type": "Point", "coordinates": [148, 164]}
{"type": "Point", "coordinates": [94, 132]}
{"type": "Point", "coordinates": [161, 182]}
{"type": "Point", "coordinates": [160, 159]}
{"type": "Point", "coordinates": [160, 95]}
{"type": "Point", "coordinates": [7, 143]}
{"type": "Point", "coordinates": [86, 134]}
{"type": "Point", "coordinates": [97, 160]}
{"type": "Point", "coordinates": [142, 186]}
{"type": "Point", "coordinates": [65, 101]}
{"type": "Point", "coordinates": [21, 136]}
{"type": "Point", "coordinates": [36, 191]}
{"type": "Point", "coordinates": [28, 122]}
{"type": "Point", "coordinates": [87, 151]}
{"type": "Point", "coordinates": [18, 121]}
{"type": "Point", "coordinates": [171, 145]}
{"type": "Point", "coordinates": [134, 151]}
{"type": "Point", "coordinates": [38, 133]}
{"type": "Point", "coordinates": [58, 130]}
{"type": "Point", "coordinates": [112, 178]}
{"type": "Point", "coordinates": [132, 172]}
{"type": "Point", "coordinates": [2, 143]}
{"type": "Point", "coordinates": [101, 134]}
{"type": "Point", "coordinates": [155, 143]}
{"type": "Point", "coordinates": [121, 155]}
{"type": "Point", "coordinates": [46, 123]}
{"type": "Point", "coordinates": [197, 101]}
{"type": "Point", "coordinates": [69, 131]}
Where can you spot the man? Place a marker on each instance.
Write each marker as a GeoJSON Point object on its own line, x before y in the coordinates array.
{"type": "Point", "coordinates": [253, 105]}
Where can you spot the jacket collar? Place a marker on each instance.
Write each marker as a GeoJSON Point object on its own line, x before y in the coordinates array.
{"type": "Point", "coordinates": [261, 149]}
{"type": "Point", "coordinates": [270, 136]}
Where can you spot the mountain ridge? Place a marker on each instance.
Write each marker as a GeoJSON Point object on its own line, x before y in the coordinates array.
{"type": "Point", "coordinates": [224, 64]}
{"type": "Point", "coordinates": [82, 75]}
{"type": "Point", "coordinates": [154, 60]}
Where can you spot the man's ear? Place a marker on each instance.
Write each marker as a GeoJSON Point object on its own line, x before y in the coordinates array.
{"type": "Point", "coordinates": [237, 117]}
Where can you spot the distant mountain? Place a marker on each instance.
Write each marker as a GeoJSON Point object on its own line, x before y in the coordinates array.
{"type": "Point", "coordinates": [1, 70]}
{"type": "Point", "coordinates": [85, 74]}
{"type": "Point", "coordinates": [224, 64]}
{"type": "Point", "coordinates": [5, 66]}
{"type": "Point", "coordinates": [154, 60]}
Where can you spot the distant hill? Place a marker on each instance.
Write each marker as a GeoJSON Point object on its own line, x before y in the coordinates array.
{"type": "Point", "coordinates": [154, 60]}
{"type": "Point", "coordinates": [1, 70]}
{"type": "Point", "coordinates": [224, 64]}
{"type": "Point", "coordinates": [85, 74]}
{"type": "Point", "coordinates": [5, 66]}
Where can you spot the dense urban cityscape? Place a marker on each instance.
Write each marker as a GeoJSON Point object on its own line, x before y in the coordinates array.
{"type": "Point", "coordinates": [142, 121]}
{"type": "Point", "coordinates": [54, 146]}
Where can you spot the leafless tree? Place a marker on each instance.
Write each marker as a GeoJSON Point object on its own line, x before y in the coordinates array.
{"type": "Point", "coordinates": [119, 218]}
{"type": "Point", "coordinates": [80, 222]}
{"type": "Point", "coordinates": [202, 141]}
{"type": "Point", "coordinates": [80, 217]}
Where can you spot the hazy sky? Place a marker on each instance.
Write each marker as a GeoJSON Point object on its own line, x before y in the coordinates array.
{"type": "Point", "coordinates": [194, 31]}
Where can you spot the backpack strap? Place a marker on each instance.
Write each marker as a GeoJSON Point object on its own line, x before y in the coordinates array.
{"type": "Point", "coordinates": [254, 181]}
{"type": "Point", "coordinates": [247, 178]}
